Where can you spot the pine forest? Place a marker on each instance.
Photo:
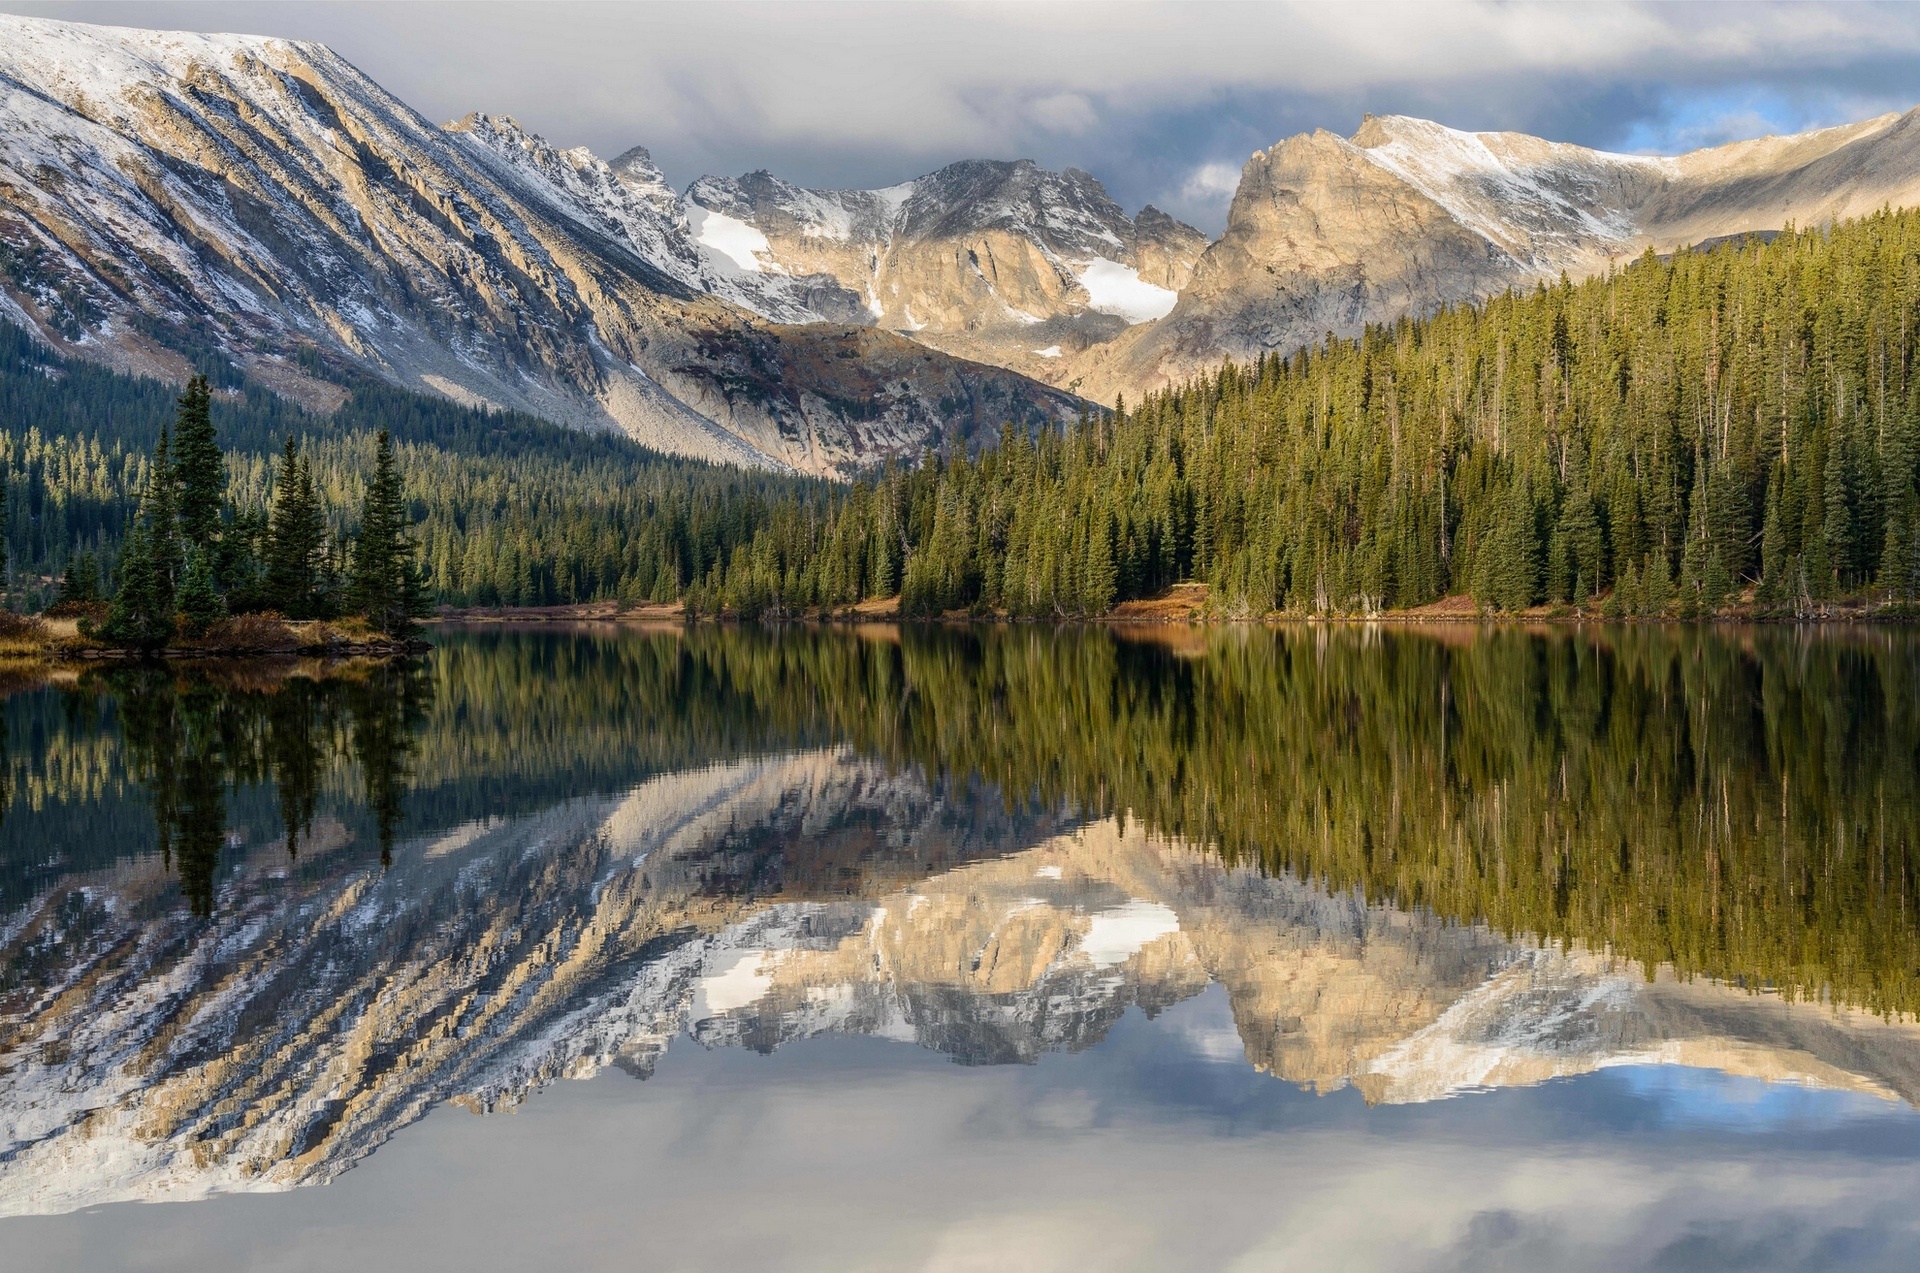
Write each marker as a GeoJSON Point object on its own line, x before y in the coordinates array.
{"type": "Point", "coordinates": [1737, 424]}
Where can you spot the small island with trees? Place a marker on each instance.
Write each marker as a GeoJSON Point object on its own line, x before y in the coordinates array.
{"type": "Point", "coordinates": [201, 577]}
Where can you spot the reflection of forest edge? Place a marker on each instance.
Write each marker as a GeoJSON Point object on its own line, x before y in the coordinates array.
{"type": "Point", "coordinates": [1740, 806]}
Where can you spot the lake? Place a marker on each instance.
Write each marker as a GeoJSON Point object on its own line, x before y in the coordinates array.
{"type": "Point", "coordinates": [960, 948]}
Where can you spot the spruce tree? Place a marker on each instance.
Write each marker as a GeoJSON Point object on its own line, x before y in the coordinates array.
{"type": "Point", "coordinates": [142, 613]}
{"type": "Point", "coordinates": [385, 583]}
{"type": "Point", "coordinates": [199, 469]}
{"type": "Point", "coordinates": [1774, 588]}
{"type": "Point", "coordinates": [200, 604]}
{"type": "Point", "coordinates": [160, 510]}
{"type": "Point", "coordinates": [296, 535]}
{"type": "Point", "coordinates": [1659, 584]}
{"type": "Point", "coordinates": [81, 584]}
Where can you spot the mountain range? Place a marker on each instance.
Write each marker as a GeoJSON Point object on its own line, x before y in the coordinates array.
{"type": "Point", "coordinates": [166, 198]}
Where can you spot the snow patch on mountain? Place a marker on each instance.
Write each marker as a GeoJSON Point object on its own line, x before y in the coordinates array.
{"type": "Point", "coordinates": [1538, 201]}
{"type": "Point", "coordinates": [732, 239]}
{"type": "Point", "coordinates": [1113, 288]}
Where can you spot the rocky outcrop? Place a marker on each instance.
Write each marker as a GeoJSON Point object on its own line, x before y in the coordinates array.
{"type": "Point", "coordinates": [1327, 234]}
{"type": "Point", "coordinates": [1004, 263]}
{"type": "Point", "coordinates": [165, 195]}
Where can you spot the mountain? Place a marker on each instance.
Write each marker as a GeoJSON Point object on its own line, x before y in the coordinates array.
{"type": "Point", "coordinates": [169, 199]}
{"type": "Point", "coordinates": [1328, 234]}
{"type": "Point", "coordinates": [1005, 263]}
{"type": "Point", "coordinates": [166, 196]}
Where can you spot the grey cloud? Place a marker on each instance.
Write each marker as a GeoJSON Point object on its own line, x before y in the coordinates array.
{"type": "Point", "coordinates": [1146, 96]}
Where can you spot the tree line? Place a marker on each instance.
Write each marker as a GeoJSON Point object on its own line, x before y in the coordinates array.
{"type": "Point", "coordinates": [507, 509]}
{"type": "Point", "coordinates": [1653, 441]}
{"type": "Point", "coordinates": [1660, 440]}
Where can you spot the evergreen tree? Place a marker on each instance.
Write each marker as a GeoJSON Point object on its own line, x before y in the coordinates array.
{"type": "Point", "coordinates": [200, 603]}
{"type": "Point", "coordinates": [199, 469]}
{"type": "Point", "coordinates": [1774, 588]}
{"type": "Point", "coordinates": [385, 583]}
{"type": "Point", "coordinates": [160, 513]}
{"type": "Point", "coordinates": [81, 583]}
{"type": "Point", "coordinates": [142, 613]}
{"type": "Point", "coordinates": [296, 537]}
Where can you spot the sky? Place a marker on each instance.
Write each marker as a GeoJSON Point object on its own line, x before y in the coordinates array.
{"type": "Point", "coordinates": [1163, 102]}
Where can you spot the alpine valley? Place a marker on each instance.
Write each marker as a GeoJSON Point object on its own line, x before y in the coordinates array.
{"type": "Point", "coordinates": [166, 197]}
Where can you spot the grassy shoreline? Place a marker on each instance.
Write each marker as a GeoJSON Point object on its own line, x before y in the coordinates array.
{"type": "Point", "coordinates": [58, 639]}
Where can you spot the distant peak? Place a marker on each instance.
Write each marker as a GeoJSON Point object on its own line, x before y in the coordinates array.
{"type": "Point", "coordinates": [1371, 133]}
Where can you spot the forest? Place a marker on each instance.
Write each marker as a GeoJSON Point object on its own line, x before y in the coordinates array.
{"type": "Point", "coordinates": [1740, 422]}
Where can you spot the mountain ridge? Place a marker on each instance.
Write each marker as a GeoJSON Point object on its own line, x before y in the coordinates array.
{"type": "Point", "coordinates": [269, 197]}
{"type": "Point", "coordinates": [264, 200]}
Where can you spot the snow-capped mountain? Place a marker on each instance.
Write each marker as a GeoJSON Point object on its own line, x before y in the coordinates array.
{"type": "Point", "coordinates": [163, 191]}
{"type": "Point", "coordinates": [1005, 263]}
{"type": "Point", "coordinates": [1329, 233]}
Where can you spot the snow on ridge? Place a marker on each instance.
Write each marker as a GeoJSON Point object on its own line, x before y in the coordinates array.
{"type": "Point", "coordinates": [1537, 209]}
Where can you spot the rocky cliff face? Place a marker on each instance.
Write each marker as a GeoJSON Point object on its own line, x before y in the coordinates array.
{"type": "Point", "coordinates": [162, 193]}
{"type": "Point", "coordinates": [1004, 263]}
{"type": "Point", "coordinates": [153, 1055]}
{"type": "Point", "coordinates": [1328, 234]}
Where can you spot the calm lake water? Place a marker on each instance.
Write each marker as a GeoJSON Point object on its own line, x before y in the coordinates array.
{"type": "Point", "coordinates": [993, 949]}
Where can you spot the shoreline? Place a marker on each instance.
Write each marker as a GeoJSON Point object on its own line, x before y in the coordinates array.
{"type": "Point", "coordinates": [1178, 610]}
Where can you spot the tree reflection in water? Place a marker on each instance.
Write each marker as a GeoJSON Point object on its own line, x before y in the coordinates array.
{"type": "Point", "coordinates": [192, 734]}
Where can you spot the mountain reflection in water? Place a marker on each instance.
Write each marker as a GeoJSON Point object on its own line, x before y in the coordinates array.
{"type": "Point", "coordinates": [254, 925]}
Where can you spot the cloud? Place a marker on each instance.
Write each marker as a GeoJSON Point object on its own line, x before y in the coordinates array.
{"type": "Point", "coordinates": [1210, 184]}
{"type": "Point", "coordinates": [1068, 113]}
{"type": "Point", "coordinates": [1135, 93]}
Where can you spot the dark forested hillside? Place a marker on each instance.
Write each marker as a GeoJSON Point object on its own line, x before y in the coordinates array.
{"type": "Point", "coordinates": [1660, 437]}
{"type": "Point", "coordinates": [511, 510]}
{"type": "Point", "coordinates": [1651, 442]}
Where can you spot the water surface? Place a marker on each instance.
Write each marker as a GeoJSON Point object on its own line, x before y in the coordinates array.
{"type": "Point", "coordinates": [957, 948]}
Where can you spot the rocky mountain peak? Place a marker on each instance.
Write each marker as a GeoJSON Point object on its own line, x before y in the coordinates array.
{"type": "Point", "coordinates": [269, 199]}
{"type": "Point", "coordinates": [1329, 233]}
{"type": "Point", "coordinates": [1002, 261]}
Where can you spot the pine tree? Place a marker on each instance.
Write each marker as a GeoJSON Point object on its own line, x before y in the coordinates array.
{"type": "Point", "coordinates": [296, 536]}
{"type": "Point", "coordinates": [385, 583]}
{"type": "Point", "coordinates": [1100, 579]}
{"type": "Point", "coordinates": [142, 613]}
{"type": "Point", "coordinates": [1836, 525]}
{"type": "Point", "coordinates": [159, 508]}
{"type": "Point", "coordinates": [199, 469]}
{"type": "Point", "coordinates": [1774, 588]}
{"type": "Point", "coordinates": [200, 603]}
{"type": "Point", "coordinates": [1659, 585]}
{"type": "Point", "coordinates": [81, 583]}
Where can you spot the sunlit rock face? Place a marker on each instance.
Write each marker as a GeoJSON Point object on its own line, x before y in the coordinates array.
{"type": "Point", "coordinates": [1005, 263]}
{"type": "Point", "coordinates": [1328, 234]}
{"type": "Point", "coordinates": [167, 194]}
{"type": "Point", "coordinates": [327, 1003]}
